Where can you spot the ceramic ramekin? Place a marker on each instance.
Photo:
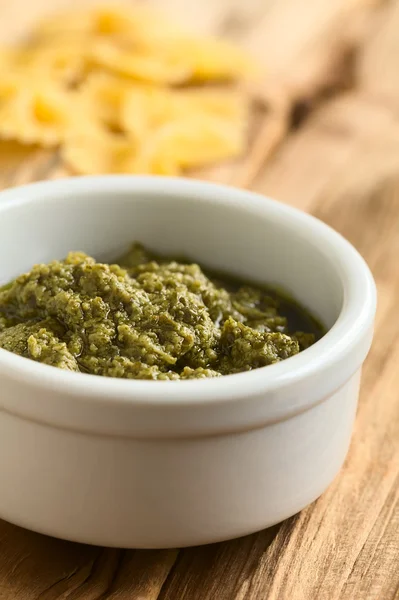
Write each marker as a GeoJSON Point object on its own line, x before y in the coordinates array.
{"type": "Point", "coordinates": [161, 464]}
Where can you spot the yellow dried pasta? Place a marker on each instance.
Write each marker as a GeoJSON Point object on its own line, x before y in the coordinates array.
{"type": "Point", "coordinates": [103, 152]}
{"type": "Point", "coordinates": [41, 115]}
{"type": "Point", "coordinates": [173, 61]}
{"type": "Point", "coordinates": [198, 142]}
{"type": "Point", "coordinates": [115, 88]}
{"type": "Point", "coordinates": [9, 86]}
{"type": "Point", "coordinates": [153, 68]}
{"type": "Point", "coordinates": [61, 61]}
{"type": "Point", "coordinates": [106, 95]}
{"type": "Point", "coordinates": [146, 109]}
{"type": "Point", "coordinates": [227, 103]}
{"type": "Point", "coordinates": [207, 59]}
{"type": "Point", "coordinates": [174, 147]}
{"type": "Point", "coordinates": [140, 108]}
{"type": "Point", "coordinates": [99, 152]}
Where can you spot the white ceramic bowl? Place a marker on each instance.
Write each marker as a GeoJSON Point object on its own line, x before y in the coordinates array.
{"type": "Point", "coordinates": [161, 464]}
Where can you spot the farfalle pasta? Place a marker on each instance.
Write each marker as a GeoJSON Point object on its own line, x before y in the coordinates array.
{"type": "Point", "coordinates": [124, 90]}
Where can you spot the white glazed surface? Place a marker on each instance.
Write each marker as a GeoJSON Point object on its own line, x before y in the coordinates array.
{"type": "Point", "coordinates": [163, 464]}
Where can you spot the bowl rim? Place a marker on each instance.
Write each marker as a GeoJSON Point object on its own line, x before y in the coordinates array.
{"type": "Point", "coordinates": [355, 319]}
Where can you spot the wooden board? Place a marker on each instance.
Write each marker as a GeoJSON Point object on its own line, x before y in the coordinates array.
{"type": "Point", "coordinates": [327, 141]}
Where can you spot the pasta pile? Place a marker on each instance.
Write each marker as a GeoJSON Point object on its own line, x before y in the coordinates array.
{"type": "Point", "coordinates": [121, 90]}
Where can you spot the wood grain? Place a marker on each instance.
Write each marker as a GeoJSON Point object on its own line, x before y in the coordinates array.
{"type": "Point", "coordinates": [326, 139]}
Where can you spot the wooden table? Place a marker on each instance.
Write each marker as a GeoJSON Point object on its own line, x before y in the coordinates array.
{"type": "Point", "coordinates": [327, 140]}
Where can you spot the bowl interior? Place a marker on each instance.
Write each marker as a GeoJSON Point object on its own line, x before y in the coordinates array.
{"type": "Point", "coordinates": [221, 228]}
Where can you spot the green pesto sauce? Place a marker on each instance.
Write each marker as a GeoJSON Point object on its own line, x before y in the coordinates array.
{"type": "Point", "coordinates": [148, 317]}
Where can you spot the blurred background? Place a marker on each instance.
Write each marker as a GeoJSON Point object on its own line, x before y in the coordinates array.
{"type": "Point", "coordinates": [327, 89]}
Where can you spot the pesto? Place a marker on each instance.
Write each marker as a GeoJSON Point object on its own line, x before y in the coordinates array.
{"type": "Point", "coordinates": [148, 317]}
